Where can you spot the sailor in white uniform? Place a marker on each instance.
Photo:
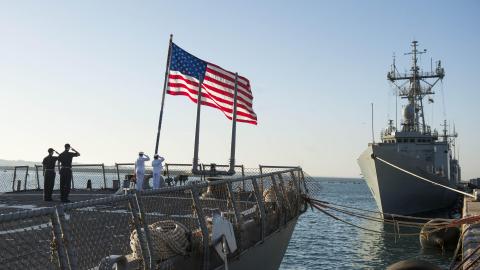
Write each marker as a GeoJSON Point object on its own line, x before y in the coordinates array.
{"type": "Point", "coordinates": [157, 171]}
{"type": "Point", "coordinates": [140, 169]}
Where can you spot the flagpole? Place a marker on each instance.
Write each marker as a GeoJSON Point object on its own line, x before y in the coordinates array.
{"type": "Point", "coordinates": [167, 69]}
{"type": "Point", "coordinates": [234, 128]}
{"type": "Point", "coordinates": [197, 128]}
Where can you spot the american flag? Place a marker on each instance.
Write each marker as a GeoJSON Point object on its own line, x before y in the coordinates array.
{"type": "Point", "coordinates": [185, 73]}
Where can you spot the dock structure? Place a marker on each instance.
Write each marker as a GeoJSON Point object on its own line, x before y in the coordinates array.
{"type": "Point", "coordinates": [471, 235]}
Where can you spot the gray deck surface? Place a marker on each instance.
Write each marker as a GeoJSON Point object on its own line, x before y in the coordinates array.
{"type": "Point", "coordinates": [25, 200]}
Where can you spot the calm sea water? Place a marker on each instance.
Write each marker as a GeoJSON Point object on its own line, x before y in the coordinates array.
{"type": "Point", "coordinates": [320, 242]}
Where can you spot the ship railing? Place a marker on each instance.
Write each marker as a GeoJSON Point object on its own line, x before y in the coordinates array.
{"type": "Point", "coordinates": [100, 176]}
{"type": "Point", "coordinates": [123, 229]}
{"type": "Point", "coordinates": [421, 74]}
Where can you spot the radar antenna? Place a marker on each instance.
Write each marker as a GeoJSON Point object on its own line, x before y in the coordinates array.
{"type": "Point", "coordinates": [417, 88]}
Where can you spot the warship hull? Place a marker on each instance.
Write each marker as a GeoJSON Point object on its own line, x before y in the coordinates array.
{"type": "Point", "coordinates": [397, 192]}
{"type": "Point", "coordinates": [266, 255]}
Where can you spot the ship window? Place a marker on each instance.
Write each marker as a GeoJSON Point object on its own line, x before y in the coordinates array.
{"type": "Point", "coordinates": [412, 140]}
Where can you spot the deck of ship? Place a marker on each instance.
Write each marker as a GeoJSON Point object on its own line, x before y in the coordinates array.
{"type": "Point", "coordinates": [262, 208]}
{"type": "Point", "coordinates": [33, 199]}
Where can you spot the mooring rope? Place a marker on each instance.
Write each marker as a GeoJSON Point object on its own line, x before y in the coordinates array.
{"type": "Point", "coordinates": [372, 211]}
{"type": "Point", "coordinates": [447, 223]}
{"type": "Point", "coordinates": [394, 222]}
{"type": "Point", "coordinates": [322, 206]}
{"type": "Point", "coordinates": [328, 204]}
{"type": "Point", "coordinates": [423, 178]}
{"type": "Point", "coordinates": [396, 233]}
{"type": "Point", "coordinates": [457, 250]}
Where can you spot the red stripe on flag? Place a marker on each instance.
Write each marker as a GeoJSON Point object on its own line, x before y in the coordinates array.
{"type": "Point", "coordinates": [247, 90]}
{"type": "Point", "coordinates": [228, 94]}
{"type": "Point", "coordinates": [184, 87]}
{"type": "Point", "coordinates": [218, 96]}
{"type": "Point", "coordinates": [224, 110]}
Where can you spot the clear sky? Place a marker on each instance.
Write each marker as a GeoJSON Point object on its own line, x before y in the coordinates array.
{"type": "Point", "coordinates": [91, 73]}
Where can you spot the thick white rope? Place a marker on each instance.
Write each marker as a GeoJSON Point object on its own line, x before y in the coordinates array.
{"type": "Point", "coordinates": [425, 179]}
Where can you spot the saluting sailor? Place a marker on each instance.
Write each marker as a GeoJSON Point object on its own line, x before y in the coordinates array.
{"type": "Point", "coordinates": [157, 171]}
{"type": "Point", "coordinates": [65, 159]}
{"type": "Point", "coordinates": [140, 169]}
{"type": "Point", "coordinates": [49, 174]}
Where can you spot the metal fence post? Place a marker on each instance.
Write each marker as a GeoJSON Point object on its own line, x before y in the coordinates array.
{"type": "Point", "coordinates": [118, 173]}
{"type": "Point", "coordinates": [286, 202]}
{"type": "Point", "coordinates": [243, 175]}
{"type": "Point", "coordinates": [203, 227]}
{"type": "Point", "coordinates": [66, 238]}
{"type": "Point", "coordinates": [14, 178]}
{"type": "Point", "coordinates": [303, 180]}
{"type": "Point", "coordinates": [259, 198]}
{"type": "Point", "coordinates": [238, 217]}
{"type": "Point", "coordinates": [58, 240]}
{"type": "Point", "coordinates": [279, 200]}
{"type": "Point", "coordinates": [137, 221]}
{"type": "Point", "coordinates": [104, 176]}
{"type": "Point", "coordinates": [73, 182]}
{"type": "Point", "coordinates": [38, 177]}
{"type": "Point", "coordinates": [261, 178]}
{"type": "Point", "coordinates": [26, 178]}
{"type": "Point", "coordinates": [145, 228]}
{"type": "Point", "coordinates": [296, 185]}
{"type": "Point", "coordinates": [295, 182]}
{"type": "Point", "coordinates": [143, 222]}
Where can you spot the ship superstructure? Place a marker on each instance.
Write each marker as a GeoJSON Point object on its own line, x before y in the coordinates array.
{"type": "Point", "coordinates": [412, 152]}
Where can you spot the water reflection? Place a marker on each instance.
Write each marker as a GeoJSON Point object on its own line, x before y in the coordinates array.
{"type": "Point", "coordinates": [320, 242]}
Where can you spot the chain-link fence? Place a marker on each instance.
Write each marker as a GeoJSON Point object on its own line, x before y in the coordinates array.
{"type": "Point", "coordinates": [22, 178]}
{"type": "Point", "coordinates": [30, 240]}
{"type": "Point", "coordinates": [171, 227]}
{"type": "Point", "coordinates": [99, 228]}
{"type": "Point", "coordinates": [16, 178]}
{"type": "Point", "coordinates": [100, 176]}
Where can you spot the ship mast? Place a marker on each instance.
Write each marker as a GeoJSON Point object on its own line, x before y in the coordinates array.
{"type": "Point", "coordinates": [418, 87]}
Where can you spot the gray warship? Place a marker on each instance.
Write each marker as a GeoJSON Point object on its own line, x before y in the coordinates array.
{"type": "Point", "coordinates": [412, 170]}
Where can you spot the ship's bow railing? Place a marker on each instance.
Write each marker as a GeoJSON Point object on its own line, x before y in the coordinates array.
{"type": "Point", "coordinates": [168, 227]}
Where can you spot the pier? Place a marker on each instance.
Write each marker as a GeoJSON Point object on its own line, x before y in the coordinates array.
{"type": "Point", "coordinates": [471, 235]}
